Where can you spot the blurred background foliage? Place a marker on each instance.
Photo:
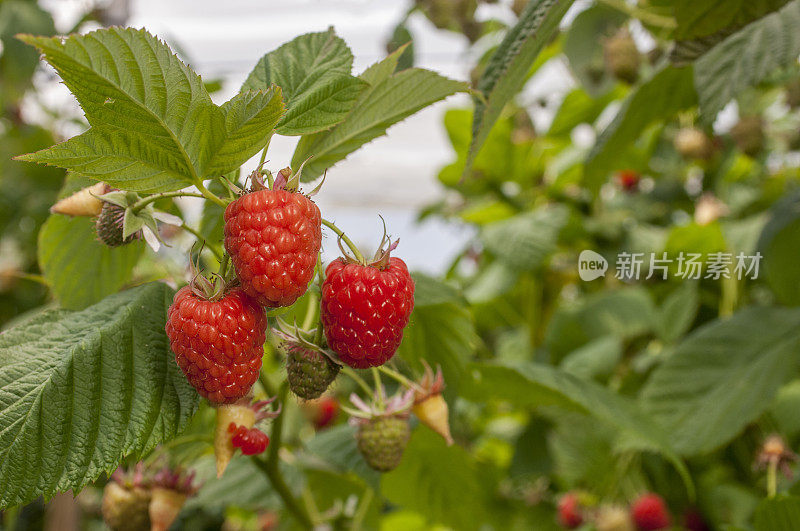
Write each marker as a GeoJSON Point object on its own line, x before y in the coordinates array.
{"type": "Point", "coordinates": [680, 135]}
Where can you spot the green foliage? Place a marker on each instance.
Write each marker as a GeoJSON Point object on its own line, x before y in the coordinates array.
{"type": "Point", "coordinates": [781, 514]}
{"type": "Point", "coordinates": [441, 331]}
{"type": "Point", "coordinates": [525, 241]}
{"type": "Point", "coordinates": [722, 377]}
{"type": "Point", "coordinates": [778, 243]}
{"type": "Point", "coordinates": [583, 47]}
{"type": "Point", "coordinates": [612, 386]}
{"type": "Point", "coordinates": [77, 266]}
{"type": "Point", "coordinates": [249, 119]}
{"type": "Point", "coordinates": [390, 98]}
{"type": "Point", "coordinates": [579, 107]}
{"type": "Point", "coordinates": [661, 97]}
{"type": "Point", "coordinates": [18, 62]}
{"type": "Point", "coordinates": [699, 19]}
{"type": "Point", "coordinates": [154, 127]}
{"type": "Point", "coordinates": [439, 481]}
{"type": "Point", "coordinates": [102, 384]}
{"type": "Point", "coordinates": [509, 65]}
{"type": "Point", "coordinates": [313, 70]}
{"type": "Point", "coordinates": [746, 58]}
{"type": "Point", "coordinates": [337, 448]}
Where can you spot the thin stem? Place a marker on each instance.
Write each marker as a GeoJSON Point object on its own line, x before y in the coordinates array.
{"type": "Point", "coordinates": [345, 239]}
{"type": "Point", "coordinates": [311, 311]}
{"type": "Point", "coordinates": [208, 194]}
{"type": "Point", "coordinates": [397, 376]}
{"type": "Point", "coordinates": [140, 204]}
{"type": "Point", "coordinates": [376, 375]}
{"type": "Point", "coordinates": [264, 151]}
{"type": "Point", "coordinates": [320, 280]}
{"type": "Point", "coordinates": [196, 234]}
{"type": "Point", "coordinates": [311, 505]}
{"type": "Point", "coordinates": [223, 266]}
{"type": "Point", "coordinates": [265, 383]}
{"type": "Point", "coordinates": [772, 478]}
{"type": "Point", "coordinates": [645, 16]}
{"type": "Point", "coordinates": [277, 427]}
{"type": "Point", "coordinates": [39, 279]}
{"type": "Point", "coordinates": [272, 470]}
{"type": "Point", "coordinates": [276, 479]}
{"type": "Point", "coordinates": [357, 379]}
{"type": "Point", "coordinates": [363, 508]}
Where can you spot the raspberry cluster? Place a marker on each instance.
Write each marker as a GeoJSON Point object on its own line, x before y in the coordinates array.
{"type": "Point", "coordinates": [273, 238]}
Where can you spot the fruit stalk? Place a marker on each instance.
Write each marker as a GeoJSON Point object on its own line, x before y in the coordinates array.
{"type": "Point", "coordinates": [136, 207]}
{"type": "Point", "coordinates": [272, 471]}
{"type": "Point", "coordinates": [345, 239]}
{"type": "Point", "coordinates": [208, 194]}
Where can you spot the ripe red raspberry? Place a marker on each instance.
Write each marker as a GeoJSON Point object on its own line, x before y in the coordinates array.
{"type": "Point", "coordinates": [569, 511]}
{"type": "Point", "coordinates": [273, 238]}
{"type": "Point", "coordinates": [365, 309]}
{"type": "Point", "coordinates": [217, 343]}
{"type": "Point", "coordinates": [650, 513]}
{"type": "Point", "coordinates": [252, 441]}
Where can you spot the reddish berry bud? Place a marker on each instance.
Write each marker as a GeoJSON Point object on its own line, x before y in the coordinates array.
{"type": "Point", "coordinates": [569, 511]}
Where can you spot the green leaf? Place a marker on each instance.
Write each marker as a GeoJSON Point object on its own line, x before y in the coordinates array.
{"type": "Point", "coordinates": [243, 485]}
{"type": "Point", "coordinates": [778, 244]}
{"type": "Point", "coordinates": [337, 448]}
{"type": "Point", "coordinates": [439, 481]}
{"type": "Point", "coordinates": [314, 72]}
{"type": "Point", "coordinates": [624, 313]}
{"type": "Point", "coordinates": [777, 514]}
{"type": "Point", "coordinates": [18, 61]}
{"type": "Point", "coordinates": [525, 241]}
{"type": "Point", "coordinates": [530, 385]}
{"type": "Point", "coordinates": [508, 67]}
{"type": "Point", "coordinates": [139, 98]}
{"type": "Point", "coordinates": [669, 91]}
{"type": "Point", "coordinates": [579, 107]}
{"type": "Point", "coordinates": [598, 358]}
{"type": "Point", "coordinates": [583, 455]}
{"type": "Point", "coordinates": [699, 19]}
{"type": "Point", "coordinates": [722, 377]}
{"type": "Point", "coordinates": [676, 315]}
{"type": "Point", "coordinates": [78, 268]}
{"type": "Point", "coordinates": [122, 159]}
{"type": "Point", "coordinates": [583, 46]}
{"type": "Point", "coordinates": [389, 100]}
{"type": "Point", "coordinates": [746, 58]}
{"type": "Point", "coordinates": [250, 118]}
{"type": "Point", "coordinates": [784, 409]}
{"type": "Point", "coordinates": [441, 331]}
{"type": "Point", "coordinates": [79, 391]}
{"type": "Point", "coordinates": [401, 37]}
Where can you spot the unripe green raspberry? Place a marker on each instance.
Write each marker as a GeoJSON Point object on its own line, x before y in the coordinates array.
{"type": "Point", "coordinates": [126, 509]}
{"type": "Point", "coordinates": [382, 440]}
{"type": "Point", "coordinates": [309, 372]}
{"type": "Point", "coordinates": [109, 226]}
{"type": "Point", "coordinates": [622, 57]}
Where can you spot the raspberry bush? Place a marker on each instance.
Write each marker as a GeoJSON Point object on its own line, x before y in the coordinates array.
{"type": "Point", "coordinates": [183, 371]}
